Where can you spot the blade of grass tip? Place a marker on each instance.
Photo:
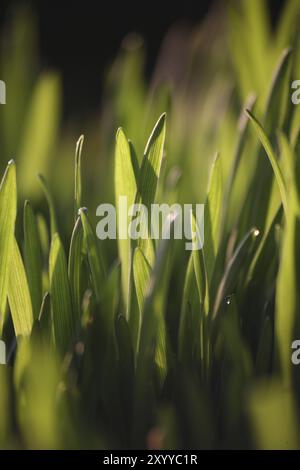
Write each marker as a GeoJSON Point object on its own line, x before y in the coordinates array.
{"type": "Point", "coordinates": [8, 212]}
{"type": "Point", "coordinates": [272, 158]}
{"type": "Point", "coordinates": [49, 197]}
{"type": "Point", "coordinates": [232, 270]}
{"type": "Point", "coordinates": [96, 263]}
{"type": "Point", "coordinates": [18, 295]}
{"type": "Point", "coordinates": [149, 175]}
{"type": "Point", "coordinates": [64, 320]}
{"type": "Point", "coordinates": [77, 186]}
{"type": "Point", "coordinates": [33, 258]}
{"type": "Point", "coordinates": [125, 186]}
{"type": "Point", "coordinates": [45, 315]}
{"type": "Point", "coordinates": [75, 266]}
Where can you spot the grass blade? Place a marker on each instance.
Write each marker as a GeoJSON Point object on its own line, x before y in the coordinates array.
{"type": "Point", "coordinates": [97, 267]}
{"type": "Point", "coordinates": [272, 157]}
{"type": "Point", "coordinates": [77, 190]}
{"type": "Point", "coordinates": [8, 211]}
{"type": "Point", "coordinates": [64, 320]}
{"type": "Point", "coordinates": [49, 197]}
{"type": "Point", "coordinates": [125, 185]}
{"type": "Point", "coordinates": [18, 295]}
{"type": "Point", "coordinates": [75, 266]}
{"type": "Point", "coordinates": [33, 258]}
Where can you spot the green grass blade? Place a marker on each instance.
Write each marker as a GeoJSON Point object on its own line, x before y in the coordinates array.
{"type": "Point", "coordinates": [125, 185]}
{"type": "Point", "coordinates": [96, 263]}
{"type": "Point", "coordinates": [272, 158]}
{"type": "Point", "coordinates": [18, 295]}
{"type": "Point", "coordinates": [149, 175]}
{"type": "Point", "coordinates": [33, 258]}
{"type": "Point", "coordinates": [142, 274]}
{"type": "Point", "coordinates": [75, 266]}
{"type": "Point", "coordinates": [77, 189]}
{"type": "Point", "coordinates": [8, 211]}
{"type": "Point", "coordinates": [64, 320]}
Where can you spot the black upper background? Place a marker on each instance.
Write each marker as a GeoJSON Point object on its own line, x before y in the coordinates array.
{"type": "Point", "coordinates": [81, 38]}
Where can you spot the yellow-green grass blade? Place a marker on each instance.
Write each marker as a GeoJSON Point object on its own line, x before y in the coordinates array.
{"type": "Point", "coordinates": [75, 266]}
{"type": "Point", "coordinates": [149, 175]}
{"type": "Point", "coordinates": [64, 320]}
{"type": "Point", "coordinates": [33, 258]}
{"type": "Point", "coordinates": [78, 185]}
{"type": "Point", "coordinates": [18, 295]}
{"type": "Point", "coordinates": [272, 158]}
{"type": "Point", "coordinates": [8, 211]}
{"type": "Point", "coordinates": [141, 273]}
{"type": "Point", "coordinates": [40, 132]}
{"type": "Point", "coordinates": [125, 186]}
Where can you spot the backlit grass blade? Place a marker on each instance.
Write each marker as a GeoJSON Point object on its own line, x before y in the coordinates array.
{"type": "Point", "coordinates": [77, 190]}
{"type": "Point", "coordinates": [40, 130]}
{"type": "Point", "coordinates": [18, 295]}
{"type": "Point", "coordinates": [272, 158]}
{"type": "Point", "coordinates": [64, 320]}
{"type": "Point", "coordinates": [96, 263]}
{"type": "Point", "coordinates": [212, 217]}
{"type": "Point", "coordinates": [149, 175]}
{"type": "Point", "coordinates": [49, 197]}
{"type": "Point", "coordinates": [75, 266]}
{"type": "Point", "coordinates": [142, 274]}
{"type": "Point", "coordinates": [8, 211]}
{"type": "Point", "coordinates": [32, 258]}
{"type": "Point", "coordinates": [125, 186]}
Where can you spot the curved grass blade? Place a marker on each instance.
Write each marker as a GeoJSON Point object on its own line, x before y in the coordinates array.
{"type": "Point", "coordinates": [149, 175]}
{"type": "Point", "coordinates": [64, 320]}
{"type": "Point", "coordinates": [125, 186]}
{"type": "Point", "coordinates": [97, 267]}
{"type": "Point", "coordinates": [75, 266]}
{"type": "Point", "coordinates": [33, 258]}
{"type": "Point", "coordinates": [77, 189]}
{"type": "Point", "coordinates": [8, 211]}
{"type": "Point", "coordinates": [18, 295]}
{"type": "Point", "coordinates": [272, 158]}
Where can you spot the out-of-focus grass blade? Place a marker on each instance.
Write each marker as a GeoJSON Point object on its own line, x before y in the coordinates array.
{"type": "Point", "coordinates": [125, 185]}
{"type": "Point", "coordinates": [142, 274]}
{"type": "Point", "coordinates": [269, 404]}
{"type": "Point", "coordinates": [8, 211]}
{"type": "Point", "coordinates": [77, 190]}
{"type": "Point", "coordinates": [212, 217]}
{"type": "Point", "coordinates": [265, 348]}
{"type": "Point", "coordinates": [74, 266]}
{"type": "Point", "coordinates": [64, 320]}
{"type": "Point", "coordinates": [272, 157]}
{"type": "Point", "coordinates": [18, 295]}
{"type": "Point", "coordinates": [98, 270]}
{"type": "Point", "coordinates": [149, 175]}
{"type": "Point", "coordinates": [200, 266]}
{"type": "Point", "coordinates": [32, 258]}
{"type": "Point", "coordinates": [49, 197]}
{"type": "Point", "coordinates": [40, 131]}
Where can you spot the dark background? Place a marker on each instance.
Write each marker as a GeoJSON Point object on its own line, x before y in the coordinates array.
{"type": "Point", "coordinates": [81, 38]}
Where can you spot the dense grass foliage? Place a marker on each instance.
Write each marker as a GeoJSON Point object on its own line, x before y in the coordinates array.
{"type": "Point", "coordinates": [136, 344]}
